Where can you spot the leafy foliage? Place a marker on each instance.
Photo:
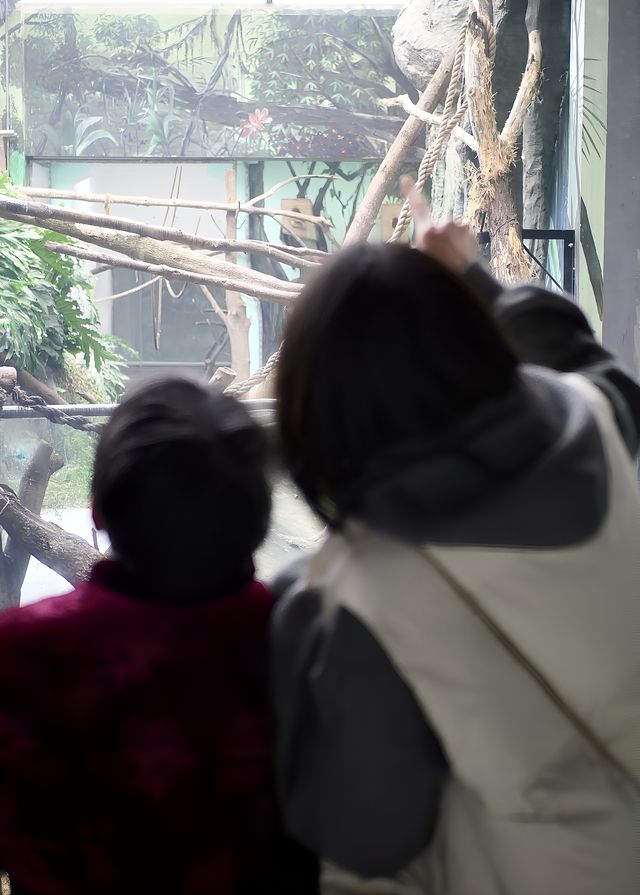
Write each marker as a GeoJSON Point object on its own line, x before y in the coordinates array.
{"type": "Point", "coordinates": [76, 134]}
{"type": "Point", "coordinates": [46, 311]}
{"type": "Point", "coordinates": [155, 89]}
{"type": "Point", "coordinates": [338, 61]}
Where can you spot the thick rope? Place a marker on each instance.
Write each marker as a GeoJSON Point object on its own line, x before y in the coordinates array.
{"type": "Point", "coordinates": [54, 414]}
{"type": "Point", "coordinates": [446, 127]}
{"type": "Point", "coordinates": [257, 379]}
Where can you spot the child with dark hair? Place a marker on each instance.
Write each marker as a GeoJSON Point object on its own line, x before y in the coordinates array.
{"type": "Point", "coordinates": [134, 723]}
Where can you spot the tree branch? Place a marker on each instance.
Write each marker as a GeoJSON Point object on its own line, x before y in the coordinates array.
{"type": "Point", "coordinates": [33, 487]}
{"type": "Point", "coordinates": [429, 118]}
{"type": "Point", "coordinates": [245, 280]}
{"type": "Point", "coordinates": [151, 202]}
{"type": "Point", "coordinates": [389, 169]}
{"type": "Point", "coordinates": [46, 213]}
{"type": "Point", "coordinates": [526, 93]}
{"type": "Point", "coordinates": [274, 189]}
{"type": "Point", "coordinates": [165, 271]}
{"type": "Point", "coordinates": [68, 555]}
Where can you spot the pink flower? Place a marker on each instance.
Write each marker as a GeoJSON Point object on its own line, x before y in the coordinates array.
{"type": "Point", "coordinates": [255, 123]}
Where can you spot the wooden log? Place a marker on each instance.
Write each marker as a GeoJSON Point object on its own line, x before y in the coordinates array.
{"type": "Point", "coordinates": [33, 487]}
{"type": "Point", "coordinates": [223, 377]}
{"type": "Point", "coordinates": [112, 259]}
{"type": "Point", "coordinates": [32, 385]}
{"type": "Point", "coordinates": [68, 555]}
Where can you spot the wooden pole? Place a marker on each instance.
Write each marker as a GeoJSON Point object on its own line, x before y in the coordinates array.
{"type": "Point", "coordinates": [236, 318]}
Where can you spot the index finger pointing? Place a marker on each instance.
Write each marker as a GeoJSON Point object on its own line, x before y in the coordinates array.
{"type": "Point", "coordinates": [418, 204]}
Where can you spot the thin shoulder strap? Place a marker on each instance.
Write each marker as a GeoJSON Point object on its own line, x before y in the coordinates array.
{"type": "Point", "coordinates": [472, 603]}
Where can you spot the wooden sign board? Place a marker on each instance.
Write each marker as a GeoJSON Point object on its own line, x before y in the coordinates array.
{"type": "Point", "coordinates": [389, 215]}
{"type": "Point", "coordinates": [304, 229]}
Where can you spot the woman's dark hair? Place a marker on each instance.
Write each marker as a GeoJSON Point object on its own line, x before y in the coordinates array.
{"type": "Point", "coordinates": [385, 349]}
{"type": "Point", "coordinates": [179, 485]}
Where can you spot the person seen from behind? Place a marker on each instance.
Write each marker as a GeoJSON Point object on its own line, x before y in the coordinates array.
{"type": "Point", "coordinates": [135, 745]}
{"type": "Point", "coordinates": [456, 672]}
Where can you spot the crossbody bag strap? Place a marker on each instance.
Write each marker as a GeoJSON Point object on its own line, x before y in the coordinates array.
{"type": "Point", "coordinates": [469, 599]}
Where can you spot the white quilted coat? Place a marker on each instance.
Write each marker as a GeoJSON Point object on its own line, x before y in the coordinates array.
{"type": "Point", "coordinates": [532, 809]}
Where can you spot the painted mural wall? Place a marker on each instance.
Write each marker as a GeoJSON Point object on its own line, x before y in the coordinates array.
{"type": "Point", "coordinates": [260, 83]}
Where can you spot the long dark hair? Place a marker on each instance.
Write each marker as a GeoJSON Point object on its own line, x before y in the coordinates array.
{"type": "Point", "coordinates": [386, 348]}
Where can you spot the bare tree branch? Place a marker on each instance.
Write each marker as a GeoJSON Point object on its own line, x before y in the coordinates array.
{"type": "Point", "coordinates": [429, 118]}
{"type": "Point", "coordinates": [107, 199]}
{"type": "Point", "coordinates": [47, 213]}
{"type": "Point", "coordinates": [165, 271]}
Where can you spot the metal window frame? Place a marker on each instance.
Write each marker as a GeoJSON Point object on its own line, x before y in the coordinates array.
{"type": "Point", "coordinates": [568, 240]}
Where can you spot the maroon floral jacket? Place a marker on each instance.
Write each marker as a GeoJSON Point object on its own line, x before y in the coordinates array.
{"type": "Point", "coordinates": [135, 747]}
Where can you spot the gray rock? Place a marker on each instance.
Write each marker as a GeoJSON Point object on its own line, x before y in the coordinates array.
{"type": "Point", "coordinates": [424, 31]}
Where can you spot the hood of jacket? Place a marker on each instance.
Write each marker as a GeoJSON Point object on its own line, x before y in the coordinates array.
{"type": "Point", "coordinates": [496, 478]}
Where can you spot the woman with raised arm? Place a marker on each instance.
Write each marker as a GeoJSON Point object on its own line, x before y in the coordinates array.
{"type": "Point", "coordinates": [457, 669]}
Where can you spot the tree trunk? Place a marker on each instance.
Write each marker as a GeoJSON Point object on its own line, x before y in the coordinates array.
{"type": "Point", "coordinates": [540, 135]}
{"type": "Point", "coordinates": [33, 487]}
{"type": "Point", "coordinates": [491, 192]}
{"type": "Point", "coordinates": [68, 555]}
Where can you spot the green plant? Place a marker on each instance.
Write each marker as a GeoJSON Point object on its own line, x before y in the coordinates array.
{"type": "Point", "coordinates": [162, 124]}
{"type": "Point", "coordinates": [71, 485]}
{"type": "Point", "coordinates": [76, 134]}
{"type": "Point", "coordinates": [594, 128]}
{"type": "Point", "coordinates": [46, 311]}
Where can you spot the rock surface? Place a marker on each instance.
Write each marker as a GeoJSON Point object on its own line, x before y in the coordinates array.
{"type": "Point", "coordinates": [424, 31]}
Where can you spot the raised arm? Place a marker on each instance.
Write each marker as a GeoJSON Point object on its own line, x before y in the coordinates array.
{"type": "Point", "coordinates": [550, 330]}
{"type": "Point", "coordinates": [546, 329]}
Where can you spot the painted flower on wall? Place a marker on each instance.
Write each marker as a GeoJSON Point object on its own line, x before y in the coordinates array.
{"type": "Point", "coordinates": [255, 123]}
